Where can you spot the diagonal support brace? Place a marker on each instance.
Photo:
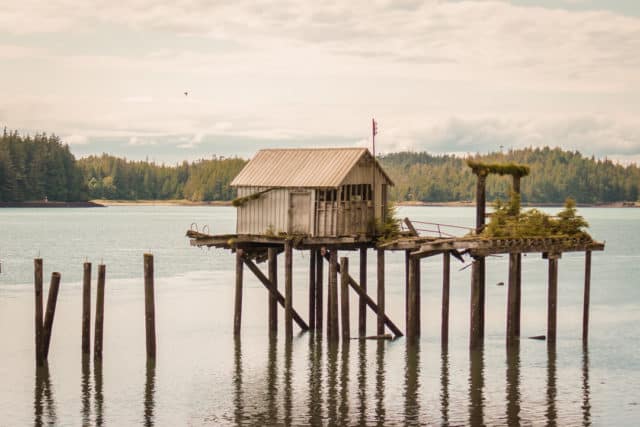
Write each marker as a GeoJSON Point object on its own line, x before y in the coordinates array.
{"type": "Point", "coordinates": [267, 284]}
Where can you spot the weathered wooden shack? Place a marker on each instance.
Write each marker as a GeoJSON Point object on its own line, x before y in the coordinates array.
{"type": "Point", "coordinates": [324, 192]}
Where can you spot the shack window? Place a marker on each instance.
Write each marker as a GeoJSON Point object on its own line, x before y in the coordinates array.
{"type": "Point", "coordinates": [326, 195]}
{"type": "Point", "coordinates": [355, 192]}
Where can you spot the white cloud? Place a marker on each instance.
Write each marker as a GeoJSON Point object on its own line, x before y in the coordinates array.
{"type": "Point", "coordinates": [75, 139]}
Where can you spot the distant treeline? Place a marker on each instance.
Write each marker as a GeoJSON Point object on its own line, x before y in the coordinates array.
{"type": "Point", "coordinates": [555, 175]}
{"type": "Point", "coordinates": [32, 168]}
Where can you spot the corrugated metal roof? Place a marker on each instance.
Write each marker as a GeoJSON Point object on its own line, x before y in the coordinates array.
{"type": "Point", "coordinates": [300, 167]}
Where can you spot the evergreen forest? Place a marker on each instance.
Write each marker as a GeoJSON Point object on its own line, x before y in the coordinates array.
{"type": "Point", "coordinates": [32, 168]}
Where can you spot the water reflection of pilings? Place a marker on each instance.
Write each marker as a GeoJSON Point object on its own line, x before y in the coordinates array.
{"type": "Point", "coordinates": [85, 386]}
{"type": "Point", "coordinates": [380, 381]}
{"type": "Point", "coordinates": [586, 399]}
{"type": "Point", "coordinates": [332, 383]}
{"type": "Point", "coordinates": [344, 384]}
{"type": "Point", "coordinates": [362, 382]}
{"type": "Point", "coordinates": [44, 407]}
{"type": "Point", "coordinates": [315, 380]}
{"type": "Point", "coordinates": [513, 384]}
{"type": "Point", "coordinates": [551, 386]}
{"type": "Point", "coordinates": [272, 381]}
{"type": "Point", "coordinates": [412, 383]}
{"type": "Point", "coordinates": [288, 349]}
{"type": "Point", "coordinates": [476, 386]}
{"type": "Point", "coordinates": [98, 394]}
{"type": "Point", "coordinates": [238, 403]}
{"type": "Point", "coordinates": [149, 393]}
{"type": "Point", "coordinates": [444, 386]}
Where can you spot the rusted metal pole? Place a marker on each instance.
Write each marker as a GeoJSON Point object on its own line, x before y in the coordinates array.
{"type": "Point", "coordinates": [39, 332]}
{"type": "Point", "coordinates": [475, 332]}
{"type": "Point", "coordinates": [512, 299]}
{"type": "Point", "coordinates": [149, 306]}
{"type": "Point", "coordinates": [288, 289]}
{"type": "Point", "coordinates": [237, 306]}
{"type": "Point", "coordinates": [52, 300]}
{"type": "Point", "coordinates": [86, 309]}
{"type": "Point", "coordinates": [446, 279]}
{"type": "Point", "coordinates": [381, 302]}
{"type": "Point", "coordinates": [587, 293]}
{"type": "Point", "coordinates": [99, 325]}
{"type": "Point", "coordinates": [332, 303]}
{"type": "Point", "coordinates": [344, 298]}
{"type": "Point", "coordinates": [273, 300]}
{"type": "Point", "coordinates": [552, 300]}
{"type": "Point", "coordinates": [362, 303]}
{"type": "Point", "coordinates": [319, 289]}
{"type": "Point", "coordinates": [312, 290]}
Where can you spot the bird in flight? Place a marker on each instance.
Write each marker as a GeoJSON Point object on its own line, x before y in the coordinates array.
{"type": "Point", "coordinates": [186, 93]}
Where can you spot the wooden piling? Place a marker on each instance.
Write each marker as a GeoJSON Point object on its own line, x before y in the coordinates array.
{"type": "Point", "coordinates": [417, 298]}
{"type": "Point", "coordinates": [39, 332]}
{"type": "Point", "coordinates": [273, 300]}
{"type": "Point", "coordinates": [52, 300]}
{"type": "Point", "coordinates": [407, 298]}
{"type": "Point", "coordinates": [512, 299]}
{"type": "Point", "coordinates": [518, 295]}
{"type": "Point", "coordinates": [312, 290]}
{"type": "Point", "coordinates": [344, 298]}
{"type": "Point", "coordinates": [587, 293]}
{"type": "Point", "coordinates": [552, 299]}
{"type": "Point", "coordinates": [475, 332]}
{"type": "Point", "coordinates": [99, 322]}
{"type": "Point", "coordinates": [446, 279]}
{"type": "Point", "coordinates": [237, 307]}
{"type": "Point", "coordinates": [332, 303]}
{"type": "Point", "coordinates": [319, 290]}
{"type": "Point", "coordinates": [362, 303]}
{"type": "Point", "coordinates": [149, 306]}
{"type": "Point", "coordinates": [411, 327]}
{"type": "Point", "coordinates": [288, 290]}
{"type": "Point", "coordinates": [86, 309]}
{"type": "Point", "coordinates": [381, 302]}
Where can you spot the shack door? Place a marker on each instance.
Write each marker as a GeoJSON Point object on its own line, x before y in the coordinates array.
{"type": "Point", "coordinates": [300, 213]}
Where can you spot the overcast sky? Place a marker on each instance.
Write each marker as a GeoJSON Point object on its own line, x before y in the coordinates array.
{"type": "Point", "coordinates": [441, 76]}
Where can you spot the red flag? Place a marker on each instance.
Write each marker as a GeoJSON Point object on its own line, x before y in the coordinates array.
{"type": "Point", "coordinates": [374, 127]}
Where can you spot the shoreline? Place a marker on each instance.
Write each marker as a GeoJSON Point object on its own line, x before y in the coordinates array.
{"type": "Point", "coordinates": [100, 203]}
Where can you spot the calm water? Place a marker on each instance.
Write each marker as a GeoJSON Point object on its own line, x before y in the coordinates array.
{"type": "Point", "coordinates": [205, 377]}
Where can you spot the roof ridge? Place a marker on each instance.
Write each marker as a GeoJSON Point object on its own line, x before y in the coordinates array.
{"type": "Point", "coordinates": [314, 149]}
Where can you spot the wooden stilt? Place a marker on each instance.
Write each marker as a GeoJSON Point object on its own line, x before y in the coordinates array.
{"type": "Point", "coordinates": [372, 305]}
{"type": "Point", "coordinates": [446, 278]}
{"type": "Point", "coordinates": [381, 302]}
{"type": "Point", "coordinates": [274, 291]}
{"type": "Point", "coordinates": [476, 337]}
{"type": "Point", "coordinates": [149, 306]}
{"type": "Point", "coordinates": [237, 306]}
{"type": "Point", "coordinates": [362, 304]}
{"type": "Point", "coordinates": [273, 300]}
{"type": "Point", "coordinates": [552, 299]}
{"type": "Point", "coordinates": [344, 298]}
{"type": "Point", "coordinates": [407, 298]}
{"type": "Point", "coordinates": [319, 289]}
{"type": "Point", "coordinates": [312, 290]}
{"type": "Point", "coordinates": [86, 309]}
{"type": "Point", "coordinates": [417, 300]}
{"type": "Point", "coordinates": [332, 303]}
{"type": "Point", "coordinates": [412, 333]}
{"type": "Point", "coordinates": [518, 295]}
{"type": "Point", "coordinates": [512, 299]}
{"type": "Point", "coordinates": [587, 293]}
{"type": "Point", "coordinates": [99, 322]}
{"type": "Point", "coordinates": [482, 289]}
{"type": "Point", "coordinates": [51, 312]}
{"type": "Point", "coordinates": [38, 322]}
{"type": "Point", "coordinates": [288, 290]}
